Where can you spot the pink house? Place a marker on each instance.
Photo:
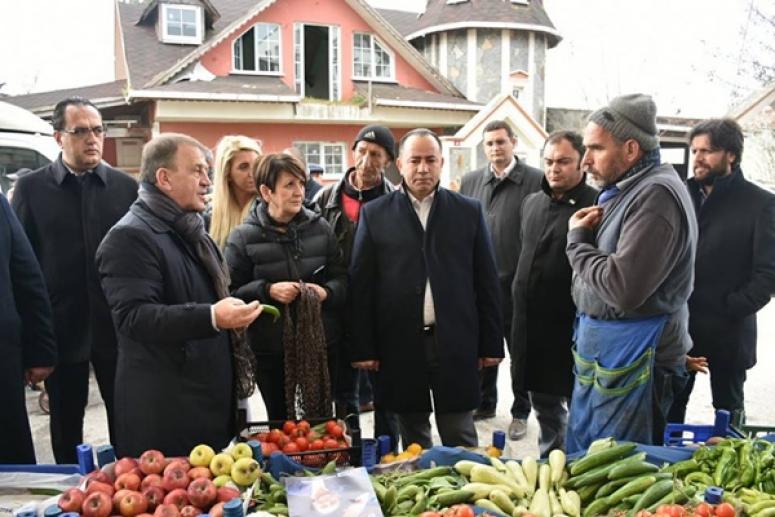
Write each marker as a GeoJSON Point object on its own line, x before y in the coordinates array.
{"type": "Point", "coordinates": [308, 73]}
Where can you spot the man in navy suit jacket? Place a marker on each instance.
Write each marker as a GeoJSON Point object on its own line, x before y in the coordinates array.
{"type": "Point", "coordinates": [27, 344]}
{"type": "Point", "coordinates": [426, 299]}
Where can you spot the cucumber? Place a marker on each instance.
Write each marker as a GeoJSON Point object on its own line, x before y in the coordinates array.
{"type": "Point", "coordinates": [632, 469]}
{"type": "Point", "coordinates": [598, 507]}
{"type": "Point", "coordinates": [653, 494]}
{"type": "Point", "coordinates": [677, 496]}
{"type": "Point", "coordinates": [587, 493]}
{"type": "Point", "coordinates": [451, 498]}
{"type": "Point", "coordinates": [486, 504]}
{"type": "Point", "coordinates": [600, 458]}
{"type": "Point", "coordinates": [611, 487]}
{"type": "Point", "coordinates": [636, 486]}
{"type": "Point", "coordinates": [600, 474]}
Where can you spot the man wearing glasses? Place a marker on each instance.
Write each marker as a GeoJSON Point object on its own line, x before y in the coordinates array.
{"type": "Point", "coordinates": [66, 208]}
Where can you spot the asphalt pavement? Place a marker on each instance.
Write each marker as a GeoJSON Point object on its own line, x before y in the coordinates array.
{"type": "Point", "coordinates": [759, 390]}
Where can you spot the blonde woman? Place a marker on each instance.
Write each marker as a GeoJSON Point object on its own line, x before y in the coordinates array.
{"type": "Point", "coordinates": [234, 186]}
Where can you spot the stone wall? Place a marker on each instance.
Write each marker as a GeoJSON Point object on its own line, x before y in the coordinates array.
{"type": "Point", "coordinates": [457, 59]}
{"type": "Point", "coordinates": [488, 64]}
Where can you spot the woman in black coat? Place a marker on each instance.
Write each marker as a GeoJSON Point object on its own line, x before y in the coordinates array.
{"type": "Point", "coordinates": [280, 245]}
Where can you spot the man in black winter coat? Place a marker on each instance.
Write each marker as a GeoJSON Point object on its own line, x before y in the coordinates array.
{"type": "Point", "coordinates": [179, 367]}
{"type": "Point", "coordinates": [27, 343]}
{"type": "Point", "coordinates": [542, 328]}
{"type": "Point", "coordinates": [66, 208]}
{"type": "Point", "coordinates": [501, 186]}
{"type": "Point", "coordinates": [735, 264]}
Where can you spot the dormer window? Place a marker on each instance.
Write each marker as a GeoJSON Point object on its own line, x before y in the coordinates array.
{"type": "Point", "coordinates": [257, 51]}
{"type": "Point", "coordinates": [181, 24]}
{"type": "Point", "coordinates": [371, 60]}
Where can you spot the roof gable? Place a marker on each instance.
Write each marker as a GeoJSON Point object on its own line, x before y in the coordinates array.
{"type": "Point", "coordinates": [152, 63]}
{"type": "Point", "coordinates": [150, 13]}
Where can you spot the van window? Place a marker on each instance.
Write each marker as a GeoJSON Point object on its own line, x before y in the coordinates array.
{"type": "Point", "coordinates": [14, 158]}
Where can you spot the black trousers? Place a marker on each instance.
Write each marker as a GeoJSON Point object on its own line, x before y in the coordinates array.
{"type": "Point", "coordinates": [726, 386]}
{"type": "Point", "coordinates": [68, 393]}
{"type": "Point", "coordinates": [488, 378]}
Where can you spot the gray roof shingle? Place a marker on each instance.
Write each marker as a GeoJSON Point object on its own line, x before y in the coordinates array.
{"type": "Point", "coordinates": [480, 12]}
{"type": "Point", "coordinates": [45, 101]}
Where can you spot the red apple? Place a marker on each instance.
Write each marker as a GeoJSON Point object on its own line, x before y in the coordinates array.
{"type": "Point", "coordinates": [227, 493]}
{"type": "Point", "coordinates": [155, 496]}
{"type": "Point", "coordinates": [190, 511]}
{"type": "Point", "coordinates": [132, 504]}
{"type": "Point", "coordinates": [200, 472]}
{"type": "Point", "coordinates": [151, 480]}
{"type": "Point", "coordinates": [174, 477]}
{"type": "Point", "coordinates": [128, 481]}
{"type": "Point", "coordinates": [117, 497]}
{"type": "Point", "coordinates": [99, 475]}
{"type": "Point", "coordinates": [152, 462]}
{"type": "Point", "coordinates": [97, 504]}
{"type": "Point", "coordinates": [99, 486]}
{"type": "Point", "coordinates": [124, 465]}
{"type": "Point", "coordinates": [216, 510]}
{"type": "Point", "coordinates": [183, 462]}
{"type": "Point", "coordinates": [168, 510]}
{"type": "Point", "coordinates": [178, 497]}
{"type": "Point", "coordinates": [71, 500]}
{"type": "Point", "coordinates": [202, 492]}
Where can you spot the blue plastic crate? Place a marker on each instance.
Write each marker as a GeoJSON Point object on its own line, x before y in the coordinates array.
{"type": "Point", "coordinates": [679, 435]}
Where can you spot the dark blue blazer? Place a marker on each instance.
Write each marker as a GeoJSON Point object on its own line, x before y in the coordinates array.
{"type": "Point", "coordinates": [26, 334]}
{"type": "Point", "coordinates": [392, 259]}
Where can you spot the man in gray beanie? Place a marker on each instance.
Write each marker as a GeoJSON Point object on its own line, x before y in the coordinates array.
{"type": "Point", "coordinates": [632, 256]}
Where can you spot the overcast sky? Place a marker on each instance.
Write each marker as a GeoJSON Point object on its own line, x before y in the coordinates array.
{"type": "Point", "coordinates": [668, 48]}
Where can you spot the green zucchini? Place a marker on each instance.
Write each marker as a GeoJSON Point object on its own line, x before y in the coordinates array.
{"type": "Point", "coordinates": [636, 486]}
{"type": "Point", "coordinates": [633, 468]}
{"type": "Point", "coordinates": [653, 494]}
{"type": "Point", "coordinates": [600, 458]}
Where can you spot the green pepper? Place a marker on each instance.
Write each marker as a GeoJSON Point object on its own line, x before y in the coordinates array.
{"type": "Point", "coordinates": [720, 472]}
{"type": "Point", "coordinates": [747, 465]}
{"type": "Point", "coordinates": [271, 310]}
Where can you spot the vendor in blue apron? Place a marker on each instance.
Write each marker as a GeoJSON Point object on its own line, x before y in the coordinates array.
{"type": "Point", "coordinates": [632, 256]}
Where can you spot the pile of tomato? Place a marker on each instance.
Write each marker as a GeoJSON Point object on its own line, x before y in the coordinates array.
{"type": "Point", "coordinates": [700, 510]}
{"type": "Point", "coordinates": [300, 437]}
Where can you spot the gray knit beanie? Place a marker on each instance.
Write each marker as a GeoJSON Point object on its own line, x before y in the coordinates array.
{"type": "Point", "coordinates": [630, 116]}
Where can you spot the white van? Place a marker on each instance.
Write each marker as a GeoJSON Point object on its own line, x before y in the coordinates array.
{"type": "Point", "coordinates": [26, 141]}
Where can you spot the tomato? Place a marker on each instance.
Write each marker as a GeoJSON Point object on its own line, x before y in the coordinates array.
{"type": "Point", "coordinates": [725, 510]}
{"type": "Point", "coordinates": [328, 443]}
{"type": "Point", "coordinates": [267, 448]}
{"type": "Point", "coordinates": [703, 510]}
{"type": "Point", "coordinates": [302, 443]}
{"type": "Point", "coordinates": [336, 431]}
{"type": "Point", "coordinates": [289, 426]}
{"type": "Point", "coordinates": [671, 510]}
{"type": "Point", "coordinates": [643, 513]}
{"type": "Point", "coordinates": [330, 425]}
{"type": "Point", "coordinates": [430, 514]}
{"type": "Point", "coordinates": [316, 445]}
{"type": "Point", "coordinates": [304, 426]}
{"type": "Point", "coordinates": [283, 441]}
{"type": "Point", "coordinates": [290, 448]}
{"type": "Point", "coordinates": [459, 510]}
{"type": "Point", "coordinates": [275, 435]}
{"type": "Point", "coordinates": [263, 437]}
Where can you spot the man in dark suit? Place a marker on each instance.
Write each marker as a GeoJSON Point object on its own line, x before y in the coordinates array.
{"type": "Point", "coordinates": [501, 186]}
{"type": "Point", "coordinates": [426, 307]}
{"type": "Point", "coordinates": [735, 264]}
{"type": "Point", "coordinates": [66, 208]}
{"type": "Point", "coordinates": [26, 338]}
{"type": "Point", "coordinates": [180, 369]}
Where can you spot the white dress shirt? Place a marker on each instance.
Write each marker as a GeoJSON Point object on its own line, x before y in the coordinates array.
{"type": "Point", "coordinates": [422, 208]}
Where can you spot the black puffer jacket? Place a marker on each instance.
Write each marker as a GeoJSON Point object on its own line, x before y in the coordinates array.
{"type": "Point", "coordinates": [259, 253]}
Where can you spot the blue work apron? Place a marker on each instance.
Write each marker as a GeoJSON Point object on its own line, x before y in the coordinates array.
{"type": "Point", "coordinates": [612, 391]}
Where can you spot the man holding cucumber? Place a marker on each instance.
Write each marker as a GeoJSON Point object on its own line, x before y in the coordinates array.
{"type": "Point", "coordinates": [632, 257]}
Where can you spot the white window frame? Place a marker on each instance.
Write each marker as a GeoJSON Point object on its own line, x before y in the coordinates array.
{"type": "Point", "coordinates": [183, 40]}
{"type": "Point", "coordinates": [324, 148]}
{"type": "Point", "coordinates": [279, 72]}
{"type": "Point", "coordinates": [334, 59]}
{"type": "Point", "coordinates": [372, 75]}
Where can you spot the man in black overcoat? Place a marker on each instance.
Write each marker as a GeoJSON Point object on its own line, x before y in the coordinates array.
{"type": "Point", "coordinates": [426, 311]}
{"type": "Point", "coordinates": [734, 274]}
{"type": "Point", "coordinates": [544, 312]}
{"type": "Point", "coordinates": [27, 345]}
{"type": "Point", "coordinates": [182, 364]}
{"type": "Point", "coordinates": [66, 208]}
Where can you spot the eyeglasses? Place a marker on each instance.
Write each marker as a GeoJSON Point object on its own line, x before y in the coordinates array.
{"type": "Point", "coordinates": [82, 132]}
